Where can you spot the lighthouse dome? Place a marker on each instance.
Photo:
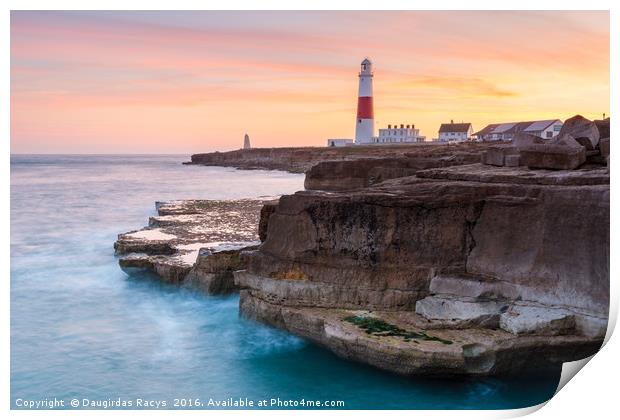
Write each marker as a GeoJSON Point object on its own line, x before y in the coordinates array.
{"type": "Point", "coordinates": [366, 67]}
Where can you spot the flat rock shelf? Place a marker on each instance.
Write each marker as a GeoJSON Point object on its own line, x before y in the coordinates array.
{"type": "Point", "coordinates": [193, 241]}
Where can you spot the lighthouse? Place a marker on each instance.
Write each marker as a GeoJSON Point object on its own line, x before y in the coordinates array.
{"type": "Point", "coordinates": [365, 123]}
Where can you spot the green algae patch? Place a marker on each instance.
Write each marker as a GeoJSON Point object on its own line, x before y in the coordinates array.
{"type": "Point", "coordinates": [380, 328]}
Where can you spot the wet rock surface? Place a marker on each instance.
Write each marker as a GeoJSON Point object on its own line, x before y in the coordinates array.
{"type": "Point", "coordinates": [195, 240]}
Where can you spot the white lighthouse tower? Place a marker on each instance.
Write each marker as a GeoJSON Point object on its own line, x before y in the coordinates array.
{"type": "Point", "coordinates": [365, 123]}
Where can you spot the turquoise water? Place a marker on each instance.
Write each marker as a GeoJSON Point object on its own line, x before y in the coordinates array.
{"type": "Point", "coordinates": [81, 328]}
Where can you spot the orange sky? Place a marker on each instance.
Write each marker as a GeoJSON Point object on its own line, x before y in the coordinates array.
{"type": "Point", "coordinates": [186, 82]}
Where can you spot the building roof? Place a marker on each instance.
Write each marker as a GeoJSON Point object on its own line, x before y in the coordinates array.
{"type": "Point", "coordinates": [454, 128]}
{"type": "Point", "coordinates": [516, 127]}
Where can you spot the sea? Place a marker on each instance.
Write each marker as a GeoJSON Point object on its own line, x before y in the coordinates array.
{"type": "Point", "coordinates": [88, 335]}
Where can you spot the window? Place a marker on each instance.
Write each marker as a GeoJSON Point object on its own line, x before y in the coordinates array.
{"type": "Point", "coordinates": [549, 134]}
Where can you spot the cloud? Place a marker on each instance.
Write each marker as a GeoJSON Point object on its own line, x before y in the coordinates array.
{"type": "Point", "coordinates": [449, 86]}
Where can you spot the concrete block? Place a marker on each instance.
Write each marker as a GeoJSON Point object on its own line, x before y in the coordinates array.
{"type": "Point", "coordinates": [553, 156]}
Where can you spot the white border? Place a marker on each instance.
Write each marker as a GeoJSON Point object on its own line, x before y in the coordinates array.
{"type": "Point", "coordinates": [591, 395]}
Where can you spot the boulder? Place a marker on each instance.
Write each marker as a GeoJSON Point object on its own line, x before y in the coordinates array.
{"type": "Point", "coordinates": [604, 146]}
{"type": "Point", "coordinates": [582, 130]}
{"type": "Point", "coordinates": [521, 320]}
{"type": "Point", "coordinates": [566, 140]}
{"type": "Point", "coordinates": [603, 127]}
{"type": "Point", "coordinates": [521, 140]}
{"type": "Point", "coordinates": [512, 160]}
{"type": "Point", "coordinates": [495, 155]}
{"type": "Point", "coordinates": [553, 156]}
{"type": "Point", "coordinates": [473, 312]}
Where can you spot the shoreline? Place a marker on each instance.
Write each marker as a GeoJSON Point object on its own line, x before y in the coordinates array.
{"type": "Point", "coordinates": [301, 159]}
{"type": "Point", "coordinates": [465, 259]}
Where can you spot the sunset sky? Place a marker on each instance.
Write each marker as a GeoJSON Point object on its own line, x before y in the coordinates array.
{"type": "Point", "coordinates": [186, 82]}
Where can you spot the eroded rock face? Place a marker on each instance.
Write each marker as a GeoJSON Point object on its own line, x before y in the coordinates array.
{"type": "Point", "coordinates": [213, 270]}
{"type": "Point", "coordinates": [360, 173]}
{"type": "Point", "coordinates": [505, 266]}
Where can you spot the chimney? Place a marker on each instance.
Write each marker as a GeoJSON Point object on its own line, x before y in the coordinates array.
{"type": "Point", "coordinates": [389, 126]}
{"type": "Point", "coordinates": [451, 121]}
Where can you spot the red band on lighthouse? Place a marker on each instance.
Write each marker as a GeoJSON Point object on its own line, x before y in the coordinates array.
{"type": "Point", "coordinates": [364, 108]}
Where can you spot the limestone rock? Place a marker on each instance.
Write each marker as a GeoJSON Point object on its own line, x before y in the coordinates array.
{"type": "Point", "coordinates": [265, 212]}
{"type": "Point", "coordinates": [461, 244]}
{"type": "Point", "coordinates": [213, 271]}
{"type": "Point", "coordinates": [522, 140]}
{"type": "Point", "coordinates": [604, 146]}
{"type": "Point", "coordinates": [566, 140]}
{"type": "Point", "coordinates": [591, 326]}
{"type": "Point", "coordinates": [473, 351]}
{"type": "Point", "coordinates": [512, 160]}
{"type": "Point", "coordinates": [496, 155]}
{"type": "Point", "coordinates": [360, 173]}
{"type": "Point", "coordinates": [519, 175]}
{"type": "Point", "coordinates": [582, 130]}
{"type": "Point", "coordinates": [170, 245]}
{"type": "Point", "coordinates": [473, 288]}
{"type": "Point", "coordinates": [603, 127]}
{"type": "Point", "coordinates": [520, 320]}
{"type": "Point", "coordinates": [479, 313]}
{"type": "Point", "coordinates": [553, 156]}
{"type": "Point", "coordinates": [301, 159]}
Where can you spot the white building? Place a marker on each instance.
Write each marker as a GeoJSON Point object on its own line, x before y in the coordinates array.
{"type": "Point", "coordinates": [339, 142]}
{"type": "Point", "coordinates": [545, 129]}
{"type": "Point", "coordinates": [403, 134]}
{"type": "Point", "coordinates": [455, 132]}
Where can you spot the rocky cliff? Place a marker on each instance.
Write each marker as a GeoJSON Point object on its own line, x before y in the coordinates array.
{"type": "Point", "coordinates": [301, 159]}
{"type": "Point", "coordinates": [359, 173]}
{"type": "Point", "coordinates": [470, 269]}
{"type": "Point", "coordinates": [474, 259]}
